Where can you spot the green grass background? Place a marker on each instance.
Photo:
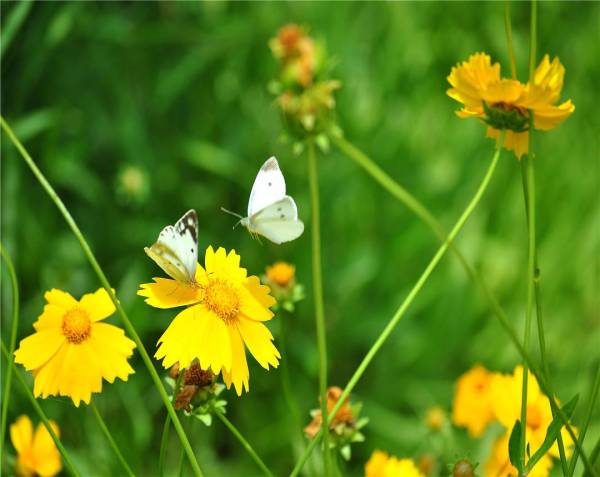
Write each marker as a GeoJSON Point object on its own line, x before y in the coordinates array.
{"type": "Point", "coordinates": [179, 91]}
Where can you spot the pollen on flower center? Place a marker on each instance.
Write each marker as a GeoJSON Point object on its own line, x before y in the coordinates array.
{"type": "Point", "coordinates": [222, 298]}
{"type": "Point", "coordinates": [76, 325]}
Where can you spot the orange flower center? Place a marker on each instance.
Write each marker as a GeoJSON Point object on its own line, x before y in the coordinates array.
{"type": "Point", "coordinates": [222, 298]}
{"type": "Point", "coordinates": [281, 273]}
{"type": "Point", "coordinates": [76, 325]}
{"type": "Point", "coordinates": [534, 417]}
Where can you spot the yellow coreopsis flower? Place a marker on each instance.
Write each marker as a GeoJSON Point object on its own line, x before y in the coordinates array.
{"type": "Point", "coordinates": [505, 397]}
{"type": "Point", "coordinates": [472, 407]}
{"type": "Point", "coordinates": [72, 351]}
{"type": "Point", "coordinates": [226, 313]}
{"type": "Point", "coordinates": [36, 453]}
{"type": "Point", "coordinates": [383, 465]}
{"type": "Point", "coordinates": [281, 274]}
{"type": "Point", "coordinates": [506, 103]}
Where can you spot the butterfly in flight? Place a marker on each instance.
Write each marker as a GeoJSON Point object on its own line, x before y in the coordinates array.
{"type": "Point", "coordinates": [271, 213]}
{"type": "Point", "coordinates": [176, 249]}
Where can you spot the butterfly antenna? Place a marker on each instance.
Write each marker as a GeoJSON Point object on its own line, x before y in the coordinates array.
{"type": "Point", "coordinates": [232, 213]}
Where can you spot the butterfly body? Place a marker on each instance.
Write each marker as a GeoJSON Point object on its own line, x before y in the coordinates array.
{"type": "Point", "coordinates": [272, 213]}
{"type": "Point", "coordinates": [176, 249]}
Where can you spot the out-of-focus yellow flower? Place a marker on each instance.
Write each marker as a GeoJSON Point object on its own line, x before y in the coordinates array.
{"type": "Point", "coordinates": [281, 274]}
{"type": "Point", "coordinates": [71, 350]}
{"type": "Point", "coordinates": [36, 453]}
{"type": "Point", "coordinates": [498, 465]}
{"type": "Point", "coordinates": [505, 103]}
{"type": "Point", "coordinates": [383, 465]}
{"type": "Point", "coordinates": [227, 312]}
{"type": "Point", "coordinates": [472, 407]}
{"type": "Point", "coordinates": [506, 404]}
{"type": "Point", "coordinates": [435, 418]}
{"type": "Point", "coordinates": [296, 50]}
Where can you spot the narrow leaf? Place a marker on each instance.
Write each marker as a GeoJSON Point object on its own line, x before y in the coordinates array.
{"type": "Point", "coordinates": [514, 446]}
{"type": "Point", "coordinates": [552, 433]}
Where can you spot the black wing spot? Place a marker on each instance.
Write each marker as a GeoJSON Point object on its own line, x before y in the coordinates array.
{"type": "Point", "coordinates": [278, 209]}
{"type": "Point", "coordinates": [282, 216]}
{"type": "Point", "coordinates": [192, 250]}
{"type": "Point", "coordinates": [270, 184]}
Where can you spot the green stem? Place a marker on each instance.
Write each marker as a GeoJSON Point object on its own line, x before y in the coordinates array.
{"type": "Point", "coordinates": [13, 23]}
{"type": "Point", "coordinates": [408, 300]}
{"type": "Point", "coordinates": [508, 30]}
{"type": "Point", "coordinates": [41, 414]}
{"type": "Point", "coordinates": [164, 440]}
{"type": "Point", "coordinates": [318, 297]}
{"type": "Point", "coordinates": [586, 423]}
{"type": "Point", "coordinates": [244, 442]}
{"type": "Point", "coordinates": [111, 440]}
{"type": "Point", "coordinates": [418, 209]}
{"type": "Point", "coordinates": [593, 456]}
{"type": "Point", "coordinates": [14, 326]}
{"type": "Point", "coordinates": [105, 283]}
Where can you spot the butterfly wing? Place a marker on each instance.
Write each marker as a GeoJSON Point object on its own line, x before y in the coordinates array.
{"type": "Point", "coordinates": [269, 187]}
{"type": "Point", "coordinates": [176, 249]}
{"type": "Point", "coordinates": [278, 222]}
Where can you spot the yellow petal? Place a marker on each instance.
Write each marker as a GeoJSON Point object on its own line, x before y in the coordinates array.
{"type": "Point", "coordinates": [239, 374]}
{"type": "Point", "coordinates": [111, 348]}
{"type": "Point", "coordinates": [78, 376]}
{"type": "Point", "coordinates": [51, 317]}
{"type": "Point", "coordinates": [167, 293]}
{"type": "Point", "coordinates": [259, 291]}
{"type": "Point", "coordinates": [251, 307]}
{"type": "Point", "coordinates": [98, 304]}
{"type": "Point", "coordinates": [215, 345]}
{"type": "Point", "coordinates": [47, 456]}
{"type": "Point", "coordinates": [60, 298]}
{"type": "Point", "coordinates": [513, 141]}
{"type": "Point", "coordinates": [38, 348]}
{"type": "Point", "coordinates": [257, 338]}
{"type": "Point", "coordinates": [551, 116]}
{"type": "Point", "coordinates": [46, 381]}
{"type": "Point", "coordinates": [21, 434]}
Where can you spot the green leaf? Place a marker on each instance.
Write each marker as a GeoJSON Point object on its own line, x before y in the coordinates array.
{"type": "Point", "coordinates": [552, 433]}
{"type": "Point", "coordinates": [514, 447]}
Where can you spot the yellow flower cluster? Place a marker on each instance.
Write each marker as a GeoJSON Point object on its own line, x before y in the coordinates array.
{"type": "Point", "coordinates": [36, 452]}
{"type": "Point", "coordinates": [483, 397]}
{"type": "Point", "coordinates": [506, 103]}
{"type": "Point", "coordinates": [383, 465]}
{"type": "Point", "coordinates": [225, 313]}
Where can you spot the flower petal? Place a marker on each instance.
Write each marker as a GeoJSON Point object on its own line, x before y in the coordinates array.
{"type": "Point", "coordinates": [60, 298]}
{"type": "Point", "coordinates": [252, 308]}
{"type": "Point", "coordinates": [44, 449]}
{"type": "Point", "coordinates": [110, 349]}
{"type": "Point", "coordinates": [98, 304]}
{"type": "Point", "coordinates": [259, 291]}
{"type": "Point", "coordinates": [167, 293]}
{"type": "Point", "coordinates": [35, 350]}
{"type": "Point", "coordinates": [21, 434]}
{"type": "Point", "coordinates": [258, 339]}
{"type": "Point", "coordinates": [51, 317]}
{"type": "Point", "coordinates": [239, 374]}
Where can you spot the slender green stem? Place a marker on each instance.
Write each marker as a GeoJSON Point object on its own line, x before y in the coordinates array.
{"type": "Point", "coordinates": [14, 326]}
{"type": "Point", "coordinates": [244, 442]}
{"type": "Point", "coordinates": [42, 415]}
{"type": "Point", "coordinates": [508, 30]}
{"type": "Point", "coordinates": [105, 283]}
{"type": "Point", "coordinates": [164, 440]}
{"type": "Point", "coordinates": [181, 462]}
{"type": "Point", "coordinates": [16, 18]}
{"type": "Point", "coordinates": [318, 298]}
{"type": "Point", "coordinates": [111, 440]}
{"type": "Point", "coordinates": [532, 39]}
{"type": "Point", "coordinates": [586, 422]}
{"type": "Point", "coordinates": [530, 291]}
{"type": "Point", "coordinates": [418, 209]}
{"type": "Point", "coordinates": [593, 456]}
{"type": "Point", "coordinates": [408, 300]}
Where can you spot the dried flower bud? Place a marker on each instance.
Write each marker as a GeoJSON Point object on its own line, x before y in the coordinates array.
{"type": "Point", "coordinates": [463, 468]}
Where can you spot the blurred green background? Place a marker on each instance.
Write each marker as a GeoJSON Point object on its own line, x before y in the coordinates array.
{"type": "Point", "coordinates": [137, 112]}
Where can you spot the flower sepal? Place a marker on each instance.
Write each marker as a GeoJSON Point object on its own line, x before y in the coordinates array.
{"type": "Point", "coordinates": [499, 117]}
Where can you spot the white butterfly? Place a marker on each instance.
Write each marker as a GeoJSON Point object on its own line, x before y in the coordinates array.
{"type": "Point", "coordinates": [271, 213]}
{"type": "Point", "coordinates": [176, 249]}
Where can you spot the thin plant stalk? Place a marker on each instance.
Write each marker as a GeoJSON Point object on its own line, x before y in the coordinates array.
{"type": "Point", "coordinates": [593, 457]}
{"type": "Point", "coordinates": [105, 283]}
{"type": "Point", "coordinates": [111, 440]}
{"type": "Point", "coordinates": [586, 423]}
{"type": "Point", "coordinates": [395, 189]}
{"type": "Point", "coordinates": [14, 326]}
{"type": "Point", "coordinates": [164, 440]}
{"type": "Point", "coordinates": [382, 338]}
{"type": "Point", "coordinates": [244, 442]}
{"type": "Point", "coordinates": [509, 42]}
{"type": "Point", "coordinates": [318, 299]}
{"type": "Point", "coordinates": [42, 415]}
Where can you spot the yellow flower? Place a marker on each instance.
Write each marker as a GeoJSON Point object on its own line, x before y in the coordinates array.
{"type": "Point", "coordinates": [37, 453]}
{"type": "Point", "coordinates": [505, 103]}
{"type": "Point", "coordinates": [383, 465]}
{"type": "Point", "coordinates": [227, 311]}
{"type": "Point", "coordinates": [435, 418]}
{"type": "Point", "coordinates": [471, 407]}
{"type": "Point", "coordinates": [71, 351]}
{"type": "Point", "coordinates": [498, 465]}
{"type": "Point", "coordinates": [506, 404]}
{"type": "Point", "coordinates": [281, 274]}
